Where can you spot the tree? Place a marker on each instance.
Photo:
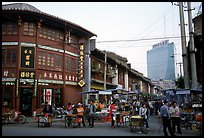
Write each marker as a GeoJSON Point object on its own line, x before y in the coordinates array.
{"type": "Point", "coordinates": [180, 82]}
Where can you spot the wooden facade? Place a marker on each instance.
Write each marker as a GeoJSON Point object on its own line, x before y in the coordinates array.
{"type": "Point", "coordinates": [42, 59]}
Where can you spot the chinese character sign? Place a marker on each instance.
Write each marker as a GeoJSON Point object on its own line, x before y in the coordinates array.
{"type": "Point", "coordinates": [27, 74]}
{"type": "Point", "coordinates": [81, 66]}
{"type": "Point", "coordinates": [27, 57]}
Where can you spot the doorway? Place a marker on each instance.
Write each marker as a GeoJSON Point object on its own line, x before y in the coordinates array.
{"type": "Point", "coordinates": [26, 95]}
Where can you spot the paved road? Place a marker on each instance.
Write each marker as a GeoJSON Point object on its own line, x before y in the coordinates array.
{"type": "Point", "coordinates": [100, 129]}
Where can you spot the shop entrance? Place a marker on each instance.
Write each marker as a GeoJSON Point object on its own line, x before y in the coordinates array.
{"type": "Point", "coordinates": [26, 101]}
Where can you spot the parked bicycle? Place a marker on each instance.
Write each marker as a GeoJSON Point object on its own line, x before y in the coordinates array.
{"type": "Point", "coordinates": [15, 117]}
{"type": "Point", "coordinates": [71, 120]}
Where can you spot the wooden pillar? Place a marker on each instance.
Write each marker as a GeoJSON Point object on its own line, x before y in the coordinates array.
{"type": "Point", "coordinates": [17, 90]}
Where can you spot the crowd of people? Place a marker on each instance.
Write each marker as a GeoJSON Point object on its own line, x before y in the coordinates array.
{"type": "Point", "coordinates": [169, 114]}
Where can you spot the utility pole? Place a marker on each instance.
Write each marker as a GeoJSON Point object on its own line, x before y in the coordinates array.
{"type": "Point", "coordinates": [180, 68]}
{"type": "Point", "coordinates": [183, 42]}
{"type": "Point", "coordinates": [192, 49]}
{"type": "Point", "coordinates": [87, 74]}
{"type": "Point", "coordinates": [105, 70]}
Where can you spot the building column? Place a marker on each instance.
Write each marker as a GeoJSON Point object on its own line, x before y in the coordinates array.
{"type": "Point", "coordinates": [115, 79]}
{"type": "Point", "coordinates": [126, 79]}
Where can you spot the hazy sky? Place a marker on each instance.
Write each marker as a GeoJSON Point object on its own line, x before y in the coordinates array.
{"type": "Point", "coordinates": [124, 21]}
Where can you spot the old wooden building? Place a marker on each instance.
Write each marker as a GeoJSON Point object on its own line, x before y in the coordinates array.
{"type": "Point", "coordinates": [42, 58]}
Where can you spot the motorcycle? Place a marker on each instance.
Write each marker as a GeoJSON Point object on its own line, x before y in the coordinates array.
{"type": "Point", "coordinates": [17, 118]}
{"type": "Point", "coordinates": [59, 112]}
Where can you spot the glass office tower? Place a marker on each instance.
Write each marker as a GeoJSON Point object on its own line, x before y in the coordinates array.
{"type": "Point", "coordinates": [160, 61]}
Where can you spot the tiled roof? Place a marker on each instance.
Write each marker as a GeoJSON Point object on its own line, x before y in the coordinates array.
{"type": "Point", "coordinates": [20, 6]}
{"type": "Point", "coordinates": [27, 7]}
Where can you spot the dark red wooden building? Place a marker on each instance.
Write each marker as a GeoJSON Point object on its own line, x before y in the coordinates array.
{"type": "Point", "coordinates": [42, 58]}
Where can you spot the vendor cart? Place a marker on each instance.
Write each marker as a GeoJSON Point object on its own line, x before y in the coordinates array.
{"type": "Point", "coordinates": [135, 122]}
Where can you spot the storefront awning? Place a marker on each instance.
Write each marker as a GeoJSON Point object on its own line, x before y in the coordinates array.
{"type": "Point", "coordinates": [109, 91]}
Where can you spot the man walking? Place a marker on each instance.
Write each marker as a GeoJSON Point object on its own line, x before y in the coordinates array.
{"type": "Point", "coordinates": [92, 110]}
{"type": "Point", "coordinates": [175, 117]}
{"type": "Point", "coordinates": [164, 113]}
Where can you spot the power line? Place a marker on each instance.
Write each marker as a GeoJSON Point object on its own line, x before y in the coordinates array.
{"type": "Point", "coordinates": [142, 39]}
{"type": "Point", "coordinates": [153, 23]}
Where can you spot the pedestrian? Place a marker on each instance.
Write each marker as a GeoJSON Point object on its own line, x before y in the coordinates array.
{"type": "Point", "coordinates": [112, 111]}
{"type": "Point", "coordinates": [80, 114]}
{"type": "Point", "coordinates": [69, 108]}
{"type": "Point", "coordinates": [47, 108]}
{"type": "Point", "coordinates": [101, 105]}
{"type": "Point", "coordinates": [143, 113]}
{"type": "Point", "coordinates": [137, 107]}
{"type": "Point", "coordinates": [164, 113]}
{"type": "Point", "coordinates": [47, 112]}
{"type": "Point", "coordinates": [92, 110]}
{"type": "Point", "coordinates": [175, 117]}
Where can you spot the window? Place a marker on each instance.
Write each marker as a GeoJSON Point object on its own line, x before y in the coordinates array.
{"type": "Point", "coordinates": [29, 29]}
{"type": "Point", "coordinates": [3, 56]}
{"type": "Point", "coordinates": [67, 64]}
{"type": "Point", "coordinates": [72, 64]}
{"type": "Point", "coordinates": [9, 57]}
{"type": "Point", "coordinates": [59, 60]}
{"type": "Point", "coordinates": [9, 28]}
{"type": "Point", "coordinates": [13, 54]}
{"type": "Point", "coordinates": [51, 34]}
{"type": "Point", "coordinates": [50, 61]}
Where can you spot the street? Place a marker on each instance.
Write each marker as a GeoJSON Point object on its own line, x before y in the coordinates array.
{"type": "Point", "coordinates": [100, 129]}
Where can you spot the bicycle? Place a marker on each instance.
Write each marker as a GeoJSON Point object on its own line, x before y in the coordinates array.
{"type": "Point", "coordinates": [17, 118]}
{"type": "Point", "coordinates": [72, 120]}
{"type": "Point", "coordinates": [44, 120]}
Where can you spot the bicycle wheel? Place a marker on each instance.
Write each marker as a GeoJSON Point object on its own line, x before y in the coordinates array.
{"type": "Point", "coordinates": [21, 119]}
{"type": "Point", "coordinates": [42, 121]}
{"type": "Point", "coordinates": [74, 122]}
{"type": "Point", "coordinates": [7, 120]}
{"type": "Point", "coordinates": [68, 122]}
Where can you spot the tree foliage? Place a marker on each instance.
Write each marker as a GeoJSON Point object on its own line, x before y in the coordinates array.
{"type": "Point", "coordinates": [180, 83]}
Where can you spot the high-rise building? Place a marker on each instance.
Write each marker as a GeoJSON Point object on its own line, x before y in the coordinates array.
{"type": "Point", "coordinates": [160, 61]}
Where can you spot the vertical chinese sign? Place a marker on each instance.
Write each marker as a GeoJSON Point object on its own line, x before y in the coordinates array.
{"type": "Point", "coordinates": [81, 66]}
{"type": "Point", "coordinates": [27, 57]}
{"type": "Point", "coordinates": [28, 66]}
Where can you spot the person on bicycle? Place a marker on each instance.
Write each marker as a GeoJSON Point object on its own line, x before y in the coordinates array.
{"type": "Point", "coordinates": [80, 114]}
{"type": "Point", "coordinates": [47, 108]}
{"type": "Point", "coordinates": [47, 111]}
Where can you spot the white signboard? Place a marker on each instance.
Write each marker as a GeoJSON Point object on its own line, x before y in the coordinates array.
{"type": "Point", "coordinates": [105, 92]}
{"type": "Point", "coordinates": [48, 95]}
{"type": "Point", "coordinates": [183, 92]}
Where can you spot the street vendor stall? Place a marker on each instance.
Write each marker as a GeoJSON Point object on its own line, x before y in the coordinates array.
{"type": "Point", "coordinates": [136, 121]}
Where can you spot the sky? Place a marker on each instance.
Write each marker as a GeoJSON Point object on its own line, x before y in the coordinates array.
{"type": "Point", "coordinates": [140, 22]}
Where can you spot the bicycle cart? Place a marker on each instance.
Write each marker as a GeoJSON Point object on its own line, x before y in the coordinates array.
{"type": "Point", "coordinates": [136, 121]}
{"type": "Point", "coordinates": [44, 120]}
{"type": "Point", "coordinates": [71, 120]}
{"type": "Point", "coordinates": [125, 118]}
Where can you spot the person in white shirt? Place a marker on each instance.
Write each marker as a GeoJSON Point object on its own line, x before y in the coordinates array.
{"type": "Point", "coordinates": [143, 113]}
{"type": "Point", "coordinates": [175, 117]}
